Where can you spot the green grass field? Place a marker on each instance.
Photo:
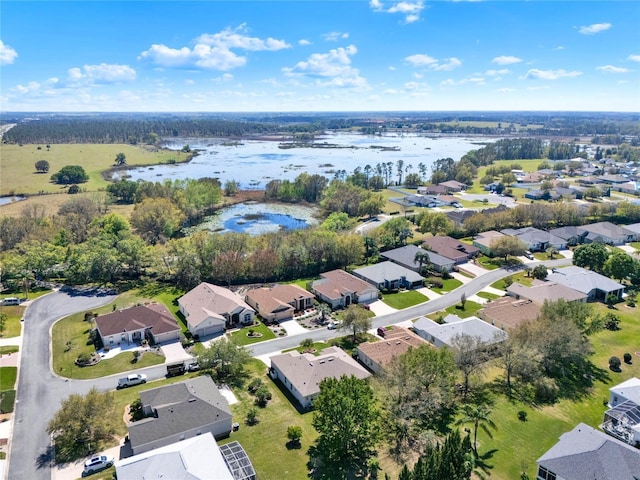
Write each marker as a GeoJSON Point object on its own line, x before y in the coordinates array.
{"type": "Point", "coordinates": [242, 336]}
{"type": "Point", "coordinates": [7, 349]}
{"type": "Point", "coordinates": [520, 277]}
{"type": "Point", "coordinates": [19, 176]}
{"type": "Point", "coordinates": [447, 285]}
{"type": "Point", "coordinates": [8, 377]}
{"type": "Point", "coordinates": [404, 299]}
{"type": "Point", "coordinates": [13, 325]}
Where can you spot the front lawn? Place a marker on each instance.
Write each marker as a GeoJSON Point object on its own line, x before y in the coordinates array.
{"type": "Point", "coordinates": [447, 285]}
{"type": "Point", "coordinates": [317, 348]}
{"type": "Point", "coordinates": [520, 277]}
{"type": "Point", "coordinates": [404, 299]}
{"type": "Point", "coordinates": [488, 295]}
{"type": "Point", "coordinates": [7, 349]}
{"type": "Point", "coordinates": [12, 326]}
{"type": "Point", "coordinates": [489, 263]}
{"type": "Point", "coordinates": [8, 377]}
{"type": "Point", "coordinates": [470, 310]}
{"type": "Point", "coordinates": [7, 401]}
{"type": "Point", "coordinates": [260, 333]}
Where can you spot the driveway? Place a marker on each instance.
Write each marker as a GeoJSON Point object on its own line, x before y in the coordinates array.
{"type": "Point", "coordinates": [173, 352]}
{"type": "Point", "coordinates": [473, 268]}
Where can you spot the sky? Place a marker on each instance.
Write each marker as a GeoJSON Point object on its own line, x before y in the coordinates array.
{"type": "Point", "coordinates": [307, 56]}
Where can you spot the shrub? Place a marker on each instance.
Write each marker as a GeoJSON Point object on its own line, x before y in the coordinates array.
{"type": "Point", "coordinates": [254, 385]}
{"type": "Point", "coordinates": [263, 395]}
{"type": "Point", "coordinates": [546, 390]}
{"type": "Point", "coordinates": [612, 299]}
{"type": "Point", "coordinates": [252, 416]}
{"type": "Point", "coordinates": [306, 343]}
{"type": "Point", "coordinates": [294, 433]}
{"type": "Point", "coordinates": [611, 322]}
{"type": "Point", "coordinates": [522, 416]}
{"type": "Point", "coordinates": [627, 358]}
{"type": "Point", "coordinates": [614, 364]}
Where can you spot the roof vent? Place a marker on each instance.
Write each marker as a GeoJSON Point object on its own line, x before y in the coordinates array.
{"type": "Point", "coordinates": [191, 400]}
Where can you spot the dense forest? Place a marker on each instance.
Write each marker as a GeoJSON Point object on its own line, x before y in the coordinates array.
{"type": "Point", "coordinates": [613, 128]}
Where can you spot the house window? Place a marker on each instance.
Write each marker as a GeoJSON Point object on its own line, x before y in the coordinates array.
{"type": "Point", "coordinates": [247, 317]}
{"type": "Point", "coordinates": [545, 474]}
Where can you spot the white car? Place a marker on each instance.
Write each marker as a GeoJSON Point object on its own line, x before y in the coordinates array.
{"type": "Point", "coordinates": [95, 464]}
{"type": "Point", "coordinates": [131, 380]}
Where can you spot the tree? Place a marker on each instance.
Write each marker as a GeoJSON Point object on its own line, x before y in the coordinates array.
{"type": "Point", "coordinates": [478, 416]}
{"type": "Point", "coordinates": [469, 355]}
{"type": "Point", "coordinates": [83, 424]}
{"type": "Point", "coordinates": [452, 459]}
{"type": "Point", "coordinates": [517, 359]}
{"type": "Point", "coordinates": [592, 256]}
{"type": "Point", "coordinates": [347, 419]}
{"type": "Point", "coordinates": [121, 159]}
{"type": "Point", "coordinates": [225, 360]}
{"type": "Point", "coordinates": [156, 219]}
{"type": "Point", "coordinates": [3, 322]}
{"type": "Point", "coordinates": [552, 252]}
{"type": "Point", "coordinates": [509, 179]}
{"type": "Point", "coordinates": [540, 272]}
{"type": "Point", "coordinates": [294, 434]}
{"type": "Point", "coordinates": [42, 166]}
{"type": "Point", "coordinates": [231, 187]}
{"type": "Point", "coordinates": [263, 263]}
{"type": "Point", "coordinates": [356, 319]}
{"type": "Point", "coordinates": [463, 300]}
{"type": "Point", "coordinates": [422, 258]}
{"type": "Point", "coordinates": [619, 265]}
{"type": "Point", "coordinates": [70, 174]}
{"type": "Point", "coordinates": [508, 245]}
{"type": "Point", "coordinates": [614, 364]}
{"type": "Point", "coordinates": [123, 190]}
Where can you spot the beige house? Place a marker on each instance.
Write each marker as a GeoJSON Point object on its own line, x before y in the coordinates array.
{"type": "Point", "coordinates": [397, 340]}
{"type": "Point", "coordinates": [209, 309]}
{"type": "Point", "coordinates": [340, 289]}
{"type": "Point", "coordinates": [152, 322]}
{"type": "Point", "coordinates": [541, 291]}
{"type": "Point", "coordinates": [301, 373]}
{"type": "Point", "coordinates": [508, 312]}
{"type": "Point", "coordinates": [279, 302]}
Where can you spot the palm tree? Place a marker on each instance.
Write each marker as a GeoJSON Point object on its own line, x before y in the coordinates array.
{"type": "Point", "coordinates": [478, 415]}
{"type": "Point", "coordinates": [422, 258]}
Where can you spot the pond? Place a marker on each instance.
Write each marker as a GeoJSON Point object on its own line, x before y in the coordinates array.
{"type": "Point", "coordinates": [253, 163]}
{"type": "Point", "coordinates": [257, 218]}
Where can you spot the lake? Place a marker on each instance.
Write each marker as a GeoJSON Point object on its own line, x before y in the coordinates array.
{"type": "Point", "coordinates": [253, 163]}
{"type": "Point", "coordinates": [256, 218]}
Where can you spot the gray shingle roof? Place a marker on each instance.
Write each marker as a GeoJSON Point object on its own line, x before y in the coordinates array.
{"type": "Point", "coordinates": [406, 256]}
{"type": "Point", "coordinates": [454, 325]}
{"type": "Point", "coordinates": [382, 271]}
{"type": "Point", "coordinates": [586, 453]}
{"type": "Point", "coordinates": [583, 280]}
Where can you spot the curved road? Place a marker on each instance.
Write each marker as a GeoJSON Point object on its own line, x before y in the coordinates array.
{"type": "Point", "coordinates": [40, 392]}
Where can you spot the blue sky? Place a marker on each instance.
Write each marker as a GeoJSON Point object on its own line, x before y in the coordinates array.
{"type": "Point", "coordinates": [286, 56]}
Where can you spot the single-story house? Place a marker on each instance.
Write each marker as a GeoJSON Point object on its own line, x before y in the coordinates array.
{"type": "Point", "coordinates": [484, 240]}
{"type": "Point", "coordinates": [397, 340]}
{"type": "Point", "coordinates": [179, 411]}
{"type": "Point", "coordinates": [340, 289]}
{"type": "Point", "coordinates": [585, 452]}
{"type": "Point", "coordinates": [428, 201]}
{"type": "Point", "coordinates": [607, 232]}
{"type": "Point", "coordinates": [594, 285]}
{"type": "Point", "coordinates": [541, 291]}
{"type": "Point", "coordinates": [450, 248]}
{"type": "Point", "coordinates": [406, 257]}
{"type": "Point", "coordinates": [389, 276]}
{"type": "Point", "coordinates": [444, 334]}
{"type": "Point", "coordinates": [196, 458]}
{"type": "Point", "coordinates": [535, 194]}
{"type": "Point", "coordinates": [432, 190]}
{"type": "Point", "coordinates": [613, 179]}
{"type": "Point", "coordinates": [152, 322]}
{"type": "Point", "coordinates": [447, 200]}
{"type": "Point", "coordinates": [568, 192]}
{"type": "Point", "coordinates": [453, 186]}
{"type": "Point", "coordinates": [209, 309]}
{"type": "Point", "coordinates": [279, 302]}
{"type": "Point", "coordinates": [571, 235]}
{"type": "Point", "coordinates": [301, 373]}
{"type": "Point", "coordinates": [459, 216]}
{"type": "Point", "coordinates": [506, 312]}
{"type": "Point", "coordinates": [622, 420]}
{"type": "Point", "coordinates": [635, 229]}
{"type": "Point", "coordinates": [536, 240]}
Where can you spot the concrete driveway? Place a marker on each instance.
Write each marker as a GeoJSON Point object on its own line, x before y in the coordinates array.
{"type": "Point", "coordinates": [174, 352]}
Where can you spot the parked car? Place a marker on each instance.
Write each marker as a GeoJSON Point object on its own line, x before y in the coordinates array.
{"type": "Point", "coordinates": [193, 367]}
{"type": "Point", "coordinates": [11, 301]}
{"type": "Point", "coordinates": [529, 255]}
{"type": "Point", "coordinates": [95, 464]}
{"type": "Point", "coordinates": [131, 380]}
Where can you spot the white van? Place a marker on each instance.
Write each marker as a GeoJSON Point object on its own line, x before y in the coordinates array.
{"type": "Point", "coordinates": [11, 301]}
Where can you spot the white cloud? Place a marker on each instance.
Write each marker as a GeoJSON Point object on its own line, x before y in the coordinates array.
{"type": "Point", "coordinates": [7, 54]}
{"type": "Point", "coordinates": [330, 69]}
{"type": "Point", "coordinates": [542, 87]}
{"type": "Point", "coordinates": [101, 74]}
{"type": "Point", "coordinates": [495, 73]}
{"type": "Point", "coordinates": [212, 51]}
{"type": "Point", "coordinates": [188, 81]}
{"type": "Point", "coordinates": [475, 80]}
{"type": "Point", "coordinates": [422, 60]}
{"type": "Point", "coordinates": [418, 75]}
{"type": "Point", "coordinates": [534, 73]}
{"type": "Point", "coordinates": [410, 9]}
{"type": "Point", "coordinates": [304, 42]}
{"type": "Point", "coordinates": [634, 58]}
{"type": "Point", "coordinates": [504, 90]}
{"type": "Point", "coordinates": [612, 69]}
{"type": "Point", "coordinates": [335, 36]}
{"type": "Point", "coordinates": [594, 28]}
{"type": "Point", "coordinates": [506, 60]}
{"type": "Point", "coordinates": [225, 77]}
{"type": "Point", "coordinates": [559, 47]}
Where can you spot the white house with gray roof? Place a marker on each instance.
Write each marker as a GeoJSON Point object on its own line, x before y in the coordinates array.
{"type": "Point", "coordinates": [301, 373]}
{"type": "Point", "coordinates": [179, 411]}
{"type": "Point", "coordinates": [607, 232]}
{"type": "Point", "coordinates": [594, 285]}
{"type": "Point", "coordinates": [406, 257]}
{"type": "Point", "coordinates": [587, 453]}
{"type": "Point", "coordinates": [196, 458]}
{"type": "Point", "coordinates": [209, 309]}
{"type": "Point", "coordinates": [389, 275]}
{"type": "Point", "coordinates": [443, 334]}
{"type": "Point", "coordinates": [536, 240]}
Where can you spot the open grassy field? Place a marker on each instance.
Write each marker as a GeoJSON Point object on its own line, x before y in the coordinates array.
{"type": "Point", "coordinates": [19, 176]}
